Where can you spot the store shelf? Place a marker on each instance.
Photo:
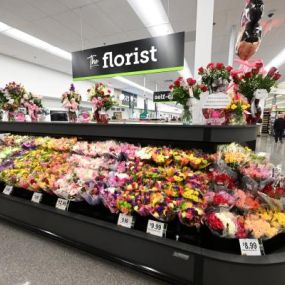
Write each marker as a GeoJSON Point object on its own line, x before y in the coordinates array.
{"type": "Point", "coordinates": [175, 262]}
{"type": "Point", "coordinates": [167, 133]}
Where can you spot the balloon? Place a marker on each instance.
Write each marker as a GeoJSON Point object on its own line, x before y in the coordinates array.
{"type": "Point", "coordinates": [249, 37]}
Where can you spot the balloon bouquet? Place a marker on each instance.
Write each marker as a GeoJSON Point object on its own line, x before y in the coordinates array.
{"type": "Point", "coordinates": [248, 42]}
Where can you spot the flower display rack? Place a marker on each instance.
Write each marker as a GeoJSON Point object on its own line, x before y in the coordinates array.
{"type": "Point", "coordinates": [96, 231]}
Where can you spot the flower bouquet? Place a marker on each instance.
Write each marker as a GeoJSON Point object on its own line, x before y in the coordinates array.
{"type": "Point", "coordinates": [71, 101]}
{"type": "Point", "coordinates": [182, 92]}
{"type": "Point", "coordinates": [190, 214]}
{"type": "Point", "coordinates": [236, 110]}
{"type": "Point", "coordinates": [142, 203]}
{"type": "Point", "coordinates": [255, 86]}
{"type": "Point", "coordinates": [101, 99]}
{"type": "Point", "coordinates": [33, 105]}
{"type": "Point", "coordinates": [162, 208]}
{"type": "Point", "coordinates": [110, 198]}
{"type": "Point", "coordinates": [220, 199]}
{"type": "Point", "coordinates": [10, 98]}
{"type": "Point", "coordinates": [216, 76]}
{"type": "Point", "coordinates": [226, 224]}
{"type": "Point", "coordinates": [245, 201]}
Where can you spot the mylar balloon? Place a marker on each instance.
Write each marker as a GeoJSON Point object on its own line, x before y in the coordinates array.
{"type": "Point", "coordinates": [249, 37]}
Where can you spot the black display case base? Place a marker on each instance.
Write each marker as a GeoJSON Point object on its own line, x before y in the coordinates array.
{"type": "Point", "coordinates": [176, 262]}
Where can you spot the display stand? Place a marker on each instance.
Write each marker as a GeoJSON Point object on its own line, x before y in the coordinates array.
{"type": "Point", "coordinates": [177, 262]}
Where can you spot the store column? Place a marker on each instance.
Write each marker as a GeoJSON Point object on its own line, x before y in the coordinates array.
{"type": "Point", "coordinates": [204, 31]}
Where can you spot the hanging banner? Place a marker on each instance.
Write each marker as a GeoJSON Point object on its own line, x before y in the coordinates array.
{"type": "Point", "coordinates": [152, 55]}
{"type": "Point", "coordinates": [162, 96]}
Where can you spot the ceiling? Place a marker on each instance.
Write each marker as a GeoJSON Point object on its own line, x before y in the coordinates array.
{"type": "Point", "coordinates": [79, 24]}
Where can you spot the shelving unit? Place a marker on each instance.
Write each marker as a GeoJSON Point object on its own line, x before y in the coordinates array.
{"type": "Point", "coordinates": [94, 229]}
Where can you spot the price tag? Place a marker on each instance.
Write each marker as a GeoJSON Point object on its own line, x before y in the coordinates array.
{"type": "Point", "coordinates": [62, 204]}
{"type": "Point", "coordinates": [250, 247]}
{"type": "Point", "coordinates": [8, 190]}
{"type": "Point", "coordinates": [125, 221]}
{"type": "Point", "coordinates": [37, 197]}
{"type": "Point", "coordinates": [156, 228]}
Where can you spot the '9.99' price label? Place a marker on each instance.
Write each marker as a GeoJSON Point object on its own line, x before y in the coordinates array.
{"type": "Point", "coordinates": [156, 228]}
{"type": "Point", "coordinates": [250, 247]}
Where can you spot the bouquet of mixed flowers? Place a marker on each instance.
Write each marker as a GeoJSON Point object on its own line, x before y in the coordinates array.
{"type": "Point", "coordinates": [71, 101]}
{"type": "Point", "coordinates": [11, 95]}
{"type": "Point", "coordinates": [100, 97]}
{"type": "Point", "coordinates": [216, 76]}
{"type": "Point", "coordinates": [182, 92]}
{"type": "Point", "coordinates": [33, 104]}
{"type": "Point", "coordinates": [255, 85]}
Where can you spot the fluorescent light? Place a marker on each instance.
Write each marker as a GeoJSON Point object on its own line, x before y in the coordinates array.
{"type": "Point", "coordinates": [277, 61]}
{"type": "Point", "coordinates": [155, 19]}
{"type": "Point", "coordinates": [133, 84]}
{"type": "Point", "coordinates": [4, 27]}
{"type": "Point", "coordinates": [36, 42]}
{"type": "Point", "coordinates": [33, 41]}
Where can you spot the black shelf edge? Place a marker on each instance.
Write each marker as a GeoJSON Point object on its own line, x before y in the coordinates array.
{"type": "Point", "coordinates": [158, 257]}
{"type": "Point", "coordinates": [192, 133]}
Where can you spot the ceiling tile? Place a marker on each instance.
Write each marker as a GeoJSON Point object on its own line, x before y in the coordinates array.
{"type": "Point", "coordinates": [50, 7]}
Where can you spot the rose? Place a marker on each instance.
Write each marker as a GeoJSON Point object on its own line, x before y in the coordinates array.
{"type": "Point", "coordinates": [215, 223]}
{"type": "Point", "coordinates": [171, 86]}
{"type": "Point", "coordinates": [191, 81]}
{"type": "Point", "coordinates": [277, 76]}
{"type": "Point", "coordinates": [220, 65]}
{"type": "Point", "coordinates": [272, 71]}
{"type": "Point", "coordinates": [258, 65]}
{"type": "Point", "coordinates": [211, 65]}
{"type": "Point", "coordinates": [204, 87]}
{"type": "Point", "coordinates": [177, 83]}
{"type": "Point", "coordinates": [201, 70]}
{"type": "Point", "coordinates": [229, 68]}
{"type": "Point", "coordinates": [248, 75]}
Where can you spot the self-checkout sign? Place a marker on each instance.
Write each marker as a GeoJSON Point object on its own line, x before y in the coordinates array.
{"type": "Point", "coordinates": [8, 190]}
{"type": "Point", "coordinates": [250, 247]}
{"type": "Point", "coordinates": [37, 197]}
{"type": "Point", "coordinates": [126, 221]}
{"type": "Point", "coordinates": [62, 204]}
{"type": "Point", "coordinates": [156, 228]}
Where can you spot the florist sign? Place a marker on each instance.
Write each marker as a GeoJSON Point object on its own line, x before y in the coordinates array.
{"type": "Point", "coordinates": [159, 54]}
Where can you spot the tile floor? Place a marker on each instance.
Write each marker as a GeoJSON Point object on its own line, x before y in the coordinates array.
{"type": "Point", "coordinates": [30, 259]}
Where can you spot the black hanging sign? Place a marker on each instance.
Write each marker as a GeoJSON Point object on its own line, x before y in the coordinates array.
{"type": "Point", "coordinates": [152, 55]}
{"type": "Point", "coordinates": [162, 96]}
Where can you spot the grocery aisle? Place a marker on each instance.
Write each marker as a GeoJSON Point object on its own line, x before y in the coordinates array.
{"type": "Point", "coordinates": [275, 151]}
{"type": "Point", "coordinates": [30, 259]}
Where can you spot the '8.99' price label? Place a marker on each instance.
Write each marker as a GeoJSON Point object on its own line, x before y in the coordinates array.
{"type": "Point", "coordinates": [156, 228]}
{"type": "Point", "coordinates": [250, 247]}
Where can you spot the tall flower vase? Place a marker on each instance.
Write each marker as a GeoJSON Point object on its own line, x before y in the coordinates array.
{"type": "Point", "coordinates": [72, 117]}
{"type": "Point", "coordinates": [100, 117]}
{"type": "Point", "coordinates": [186, 115]}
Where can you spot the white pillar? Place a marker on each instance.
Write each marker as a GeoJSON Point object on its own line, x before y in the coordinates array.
{"type": "Point", "coordinates": [232, 45]}
{"type": "Point", "coordinates": [204, 32]}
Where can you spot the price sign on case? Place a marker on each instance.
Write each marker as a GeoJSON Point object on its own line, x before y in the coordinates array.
{"type": "Point", "coordinates": [8, 190]}
{"type": "Point", "coordinates": [62, 204]}
{"type": "Point", "coordinates": [37, 197]}
{"type": "Point", "coordinates": [250, 247]}
{"type": "Point", "coordinates": [125, 221]}
{"type": "Point", "coordinates": [156, 228]}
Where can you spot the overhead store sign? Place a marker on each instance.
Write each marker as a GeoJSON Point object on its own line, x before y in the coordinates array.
{"type": "Point", "coordinates": [152, 55]}
{"type": "Point", "coordinates": [162, 96]}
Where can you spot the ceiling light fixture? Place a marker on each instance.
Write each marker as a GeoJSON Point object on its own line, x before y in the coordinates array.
{"type": "Point", "coordinates": [277, 61]}
{"type": "Point", "coordinates": [155, 19]}
{"type": "Point", "coordinates": [133, 84]}
{"type": "Point", "coordinates": [35, 42]}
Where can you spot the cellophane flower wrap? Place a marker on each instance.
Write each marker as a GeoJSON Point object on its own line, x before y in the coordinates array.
{"type": "Point", "coordinates": [71, 99]}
